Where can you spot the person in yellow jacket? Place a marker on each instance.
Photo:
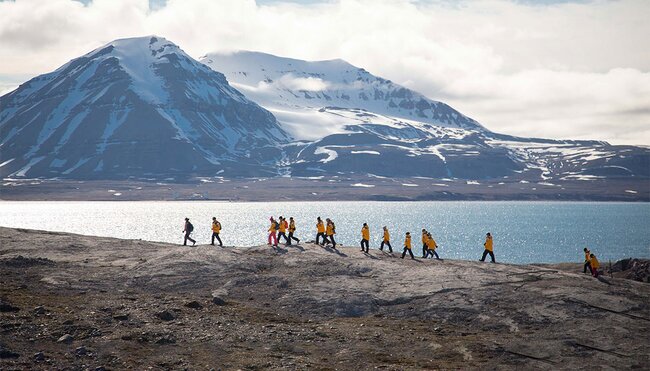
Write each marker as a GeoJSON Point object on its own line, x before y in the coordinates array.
{"type": "Point", "coordinates": [386, 241]}
{"type": "Point", "coordinates": [425, 240]}
{"type": "Point", "coordinates": [330, 231]}
{"type": "Point", "coordinates": [216, 229]}
{"type": "Point", "coordinates": [587, 261]}
{"type": "Point", "coordinates": [431, 247]}
{"type": "Point", "coordinates": [365, 237]}
{"type": "Point", "coordinates": [594, 265]}
{"type": "Point", "coordinates": [320, 231]}
{"type": "Point", "coordinates": [273, 238]}
{"type": "Point", "coordinates": [292, 230]}
{"type": "Point", "coordinates": [407, 246]}
{"type": "Point", "coordinates": [489, 248]}
{"type": "Point", "coordinates": [282, 229]}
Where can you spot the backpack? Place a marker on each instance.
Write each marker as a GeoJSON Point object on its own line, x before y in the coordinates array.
{"type": "Point", "coordinates": [190, 227]}
{"type": "Point", "coordinates": [333, 228]}
{"type": "Point", "coordinates": [277, 226]}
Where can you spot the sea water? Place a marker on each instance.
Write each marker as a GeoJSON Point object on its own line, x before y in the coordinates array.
{"type": "Point", "coordinates": [524, 232]}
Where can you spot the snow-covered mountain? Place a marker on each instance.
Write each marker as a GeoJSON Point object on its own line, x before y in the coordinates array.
{"type": "Point", "coordinates": [352, 122]}
{"type": "Point", "coordinates": [138, 107]}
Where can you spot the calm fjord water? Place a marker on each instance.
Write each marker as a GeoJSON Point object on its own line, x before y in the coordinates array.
{"type": "Point", "coordinates": [524, 232]}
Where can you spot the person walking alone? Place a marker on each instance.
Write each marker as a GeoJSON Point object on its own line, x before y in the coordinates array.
{"type": "Point", "coordinates": [489, 248]}
{"type": "Point", "coordinates": [216, 229]}
{"type": "Point", "coordinates": [273, 238]}
{"type": "Point", "coordinates": [407, 246]}
{"type": "Point", "coordinates": [365, 237]}
{"type": "Point", "coordinates": [386, 241]}
{"type": "Point", "coordinates": [188, 230]}
{"type": "Point", "coordinates": [320, 231]}
{"type": "Point", "coordinates": [292, 229]}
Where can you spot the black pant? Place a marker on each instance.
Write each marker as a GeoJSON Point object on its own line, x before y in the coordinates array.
{"type": "Point", "coordinates": [291, 237]}
{"type": "Point", "coordinates": [432, 252]}
{"type": "Point", "coordinates": [409, 251]}
{"type": "Point", "coordinates": [364, 242]}
{"type": "Point", "coordinates": [331, 239]}
{"type": "Point", "coordinates": [588, 265]}
{"type": "Point", "coordinates": [282, 234]}
{"type": "Point", "coordinates": [424, 251]}
{"type": "Point", "coordinates": [485, 253]}
{"type": "Point", "coordinates": [387, 243]}
{"type": "Point", "coordinates": [188, 238]}
{"type": "Point", "coordinates": [216, 235]}
{"type": "Point", "coordinates": [321, 234]}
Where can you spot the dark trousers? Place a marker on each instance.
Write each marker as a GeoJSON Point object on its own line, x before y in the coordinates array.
{"type": "Point", "coordinates": [485, 253]}
{"type": "Point", "coordinates": [330, 239]}
{"type": "Point", "coordinates": [432, 252]}
{"type": "Point", "coordinates": [364, 242]}
{"type": "Point", "coordinates": [216, 235]}
{"type": "Point", "coordinates": [291, 237]}
{"type": "Point", "coordinates": [387, 243]}
{"type": "Point", "coordinates": [188, 238]}
{"type": "Point", "coordinates": [409, 251]}
{"type": "Point", "coordinates": [424, 251]}
{"type": "Point", "coordinates": [587, 265]}
{"type": "Point", "coordinates": [286, 239]}
{"type": "Point", "coordinates": [319, 235]}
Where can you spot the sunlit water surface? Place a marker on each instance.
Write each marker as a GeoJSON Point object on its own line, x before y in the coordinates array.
{"type": "Point", "coordinates": [524, 232]}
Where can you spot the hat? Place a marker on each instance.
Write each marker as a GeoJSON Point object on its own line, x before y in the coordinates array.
{"type": "Point", "coordinates": [187, 218]}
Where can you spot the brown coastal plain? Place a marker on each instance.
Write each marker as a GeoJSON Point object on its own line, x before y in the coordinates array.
{"type": "Point", "coordinates": [80, 302]}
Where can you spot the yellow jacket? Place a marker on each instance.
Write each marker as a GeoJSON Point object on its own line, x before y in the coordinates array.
{"type": "Point", "coordinates": [587, 255]}
{"type": "Point", "coordinates": [431, 244]}
{"type": "Point", "coordinates": [365, 233]}
{"type": "Point", "coordinates": [424, 237]}
{"type": "Point", "coordinates": [488, 244]}
{"type": "Point", "coordinates": [594, 263]}
{"type": "Point", "coordinates": [283, 226]}
{"type": "Point", "coordinates": [292, 226]}
{"type": "Point", "coordinates": [216, 227]}
{"type": "Point", "coordinates": [272, 227]}
{"type": "Point", "coordinates": [386, 235]}
{"type": "Point", "coordinates": [329, 230]}
{"type": "Point", "coordinates": [320, 227]}
{"type": "Point", "coordinates": [407, 242]}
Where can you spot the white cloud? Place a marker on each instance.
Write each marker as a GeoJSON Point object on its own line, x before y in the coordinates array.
{"type": "Point", "coordinates": [567, 70]}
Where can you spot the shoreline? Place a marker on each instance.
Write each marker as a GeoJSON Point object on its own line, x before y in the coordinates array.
{"type": "Point", "coordinates": [86, 302]}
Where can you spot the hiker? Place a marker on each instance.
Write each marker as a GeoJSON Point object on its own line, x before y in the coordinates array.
{"type": "Point", "coordinates": [273, 239]}
{"type": "Point", "coordinates": [425, 239]}
{"type": "Point", "coordinates": [587, 261]}
{"type": "Point", "coordinates": [330, 231]}
{"type": "Point", "coordinates": [488, 248]}
{"type": "Point", "coordinates": [282, 228]}
{"type": "Point", "coordinates": [365, 237]}
{"type": "Point", "coordinates": [431, 247]}
{"type": "Point", "coordinates": [187, 229]}
{"type": "Point", "coordinates": [407, 246]}
{"type": "Point", "coordinates": [292, 229]}
{"type": "Point", "coordinates": [594, 265]}
{"type": "Point", "coordinates": [386, 241]}
{"type": "Point", "coordinates": [320, 231]}
{"type": "Point", "coordinates": [216, 229]}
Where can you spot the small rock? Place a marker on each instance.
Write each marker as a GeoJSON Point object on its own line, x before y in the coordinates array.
{"type": "Point", "coordinates": [67, 338]}
{"type": "Point", "coordinates": [121, 317]}
{"type": "Point", "coordinates": [39, 310]}
{"type": "Point", "coordinates": [39, 357]}
{"type": "Point", "coordinates": [194, 305]}
{"type": "Point", "coordinates": [5, 306]}
{"type": "Point", "coordinates": [165, 315]}
{"type": "Point", "coordinates": [167, 339]}
{"type": "Point", "coordinates": [218, 301]}
{"type": "Point", "coordinates": [81, 351]}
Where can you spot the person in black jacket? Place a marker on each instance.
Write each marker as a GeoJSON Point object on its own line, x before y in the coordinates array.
{"type": "Point", "coordinates": [187, 230]}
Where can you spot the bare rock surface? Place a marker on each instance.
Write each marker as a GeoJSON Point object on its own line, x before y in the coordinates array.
{"type": "Point", "coordinates": [294, 308]}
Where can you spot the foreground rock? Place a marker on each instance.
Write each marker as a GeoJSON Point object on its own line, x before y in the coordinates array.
{"type": "Point", "coordinates": [296, 308]}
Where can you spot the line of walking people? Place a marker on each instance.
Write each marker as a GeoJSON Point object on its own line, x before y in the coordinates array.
{"type": "Point", "coordinates": [325, 232]}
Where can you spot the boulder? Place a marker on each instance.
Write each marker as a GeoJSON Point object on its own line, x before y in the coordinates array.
{"type": "Point", "coordinates": [67, 338]}
{"type": "Point", "coordinates": [6, 306]}
{"type": "Point", "coordinates": [6, 353]}
{"type": "Point", "coordinates": [218, 301]}
{"type": "Point", "coordinates": [166, 315]}
{"type": "Point", "coordinates": [194, 305]}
